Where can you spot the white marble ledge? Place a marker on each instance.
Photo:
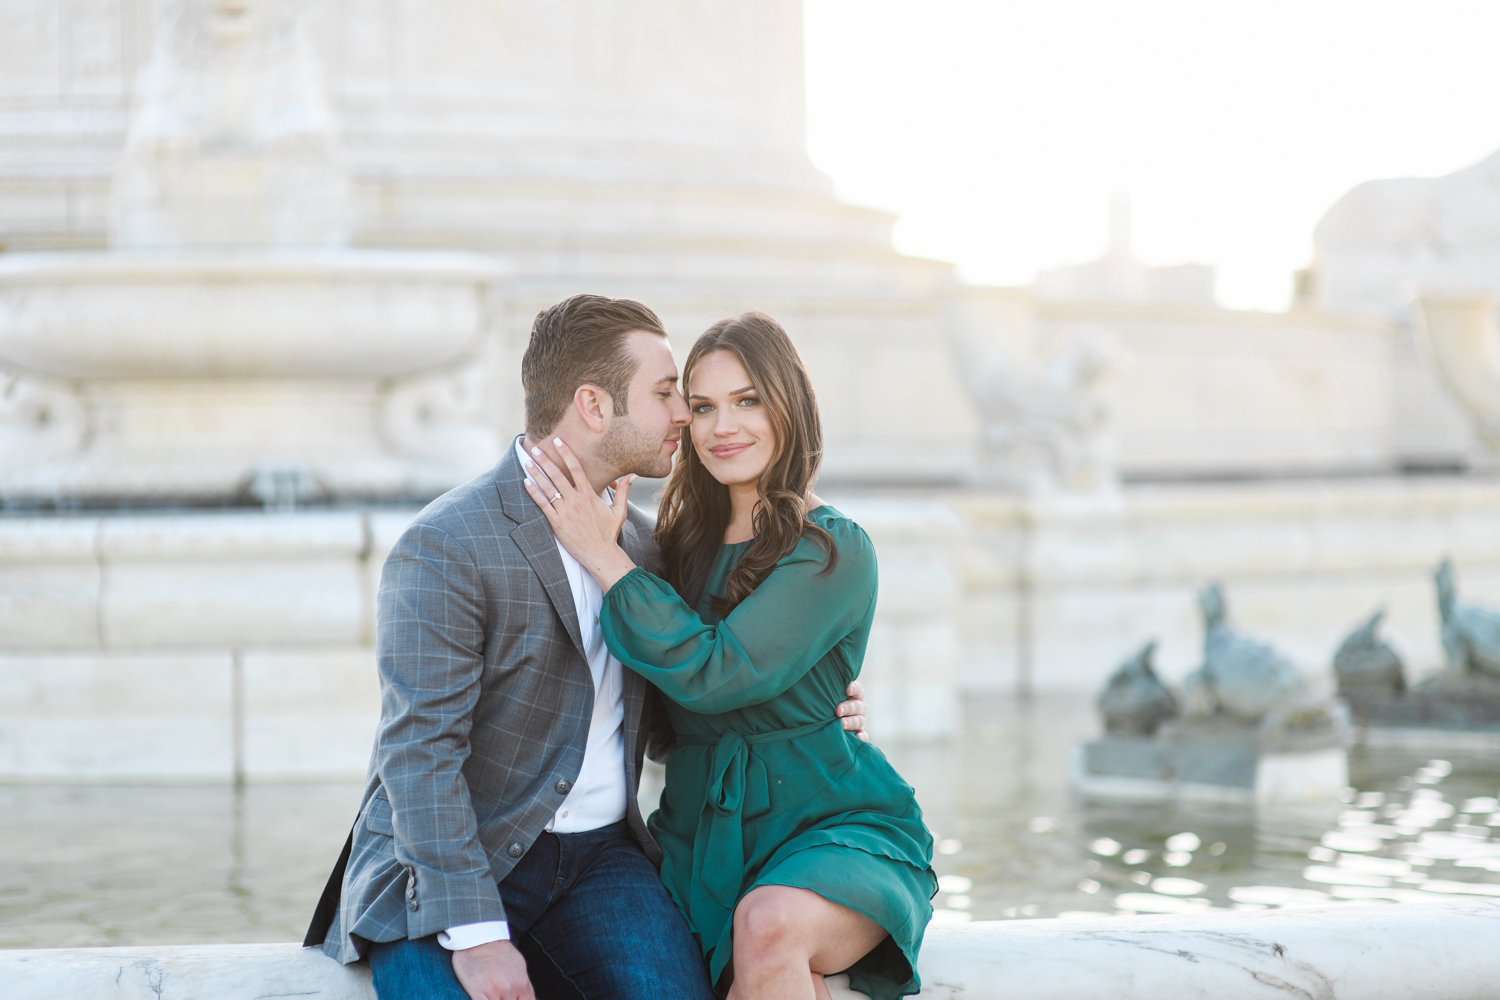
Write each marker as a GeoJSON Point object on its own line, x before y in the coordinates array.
{"type": "Point", "coordinates": [307, 266]}
{"type": "Point", "coordinates": [386, 527]}
{"type": "Point", "coordinates": [1317, 498]}
{"type": "Point", "coordinates": [914, 518]}
{"type": "Point", "coordinates": [1370, 952]}
{"type": "Point", "coordinates": [1457, 506]}
{"type": "Point", "coordinates": [31, 540]}
{"type": "Point", "coordinates": [215, 535]}
{"type": "Point", "coordinates": [192, 535]}
{"type": "Point", "coordinates": [1229, 322]}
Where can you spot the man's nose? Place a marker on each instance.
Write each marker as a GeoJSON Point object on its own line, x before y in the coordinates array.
{"type": "Point", "coordinates": [681, 415]}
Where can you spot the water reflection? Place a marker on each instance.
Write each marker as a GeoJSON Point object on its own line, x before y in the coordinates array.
{"type": "Point", "coordinates": [163, 864]}
{"type": "Point", "coordinates": [103, 866]}
{"type": "Point", "coordinates": [1411, 828]}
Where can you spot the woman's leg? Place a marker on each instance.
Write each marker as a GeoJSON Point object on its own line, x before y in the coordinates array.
{"type": "Point", "coordinates": [784, 936]}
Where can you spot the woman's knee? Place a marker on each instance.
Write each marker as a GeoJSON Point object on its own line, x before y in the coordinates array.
{"type": "Point", "coordinates": [771, 920]}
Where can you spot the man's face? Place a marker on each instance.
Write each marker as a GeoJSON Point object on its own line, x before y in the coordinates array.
{"type": "Point", "coordinates": [644, 438]}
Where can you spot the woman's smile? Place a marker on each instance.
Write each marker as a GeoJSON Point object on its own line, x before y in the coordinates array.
{"type": "Point", "coordinates": [729, 420]}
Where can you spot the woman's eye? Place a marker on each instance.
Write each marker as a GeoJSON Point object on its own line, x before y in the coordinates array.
{"type": "Point", "coordinates": [703, 408]}
{"type": "Point", "coordinates": [749, 401]}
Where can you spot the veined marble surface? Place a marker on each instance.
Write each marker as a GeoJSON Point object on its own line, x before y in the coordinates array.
{"type": "Point", "coordinates": [1368, 952]}
{"type": "Point", "coordinates": [1438, 950]}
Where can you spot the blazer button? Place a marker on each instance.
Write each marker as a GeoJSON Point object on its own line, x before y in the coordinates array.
{"type": "Point", "coordinates": [516, 850]}
{"type": "Point", "coordinates": [563, 786]}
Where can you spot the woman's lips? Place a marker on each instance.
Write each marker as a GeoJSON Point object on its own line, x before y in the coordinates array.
{"type": "Point", "coordinates": [728, 450]}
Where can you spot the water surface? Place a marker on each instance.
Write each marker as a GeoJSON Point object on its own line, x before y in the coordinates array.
{"type": "Point", "coordinates": [112, 865]}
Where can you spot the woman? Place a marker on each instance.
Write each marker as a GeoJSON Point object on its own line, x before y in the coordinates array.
{"type": "Point", "coordinates": [793, 848]}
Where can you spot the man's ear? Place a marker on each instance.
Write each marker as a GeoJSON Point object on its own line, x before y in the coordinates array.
{"type": "Point", "coordinates": [593, 405]}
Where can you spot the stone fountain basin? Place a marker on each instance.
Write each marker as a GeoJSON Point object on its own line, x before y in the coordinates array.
{"type": "Point", "coordinates": [280, 314]}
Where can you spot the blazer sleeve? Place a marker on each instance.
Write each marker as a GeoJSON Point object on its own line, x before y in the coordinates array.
{"type": "Point", "coordinates": [429, 645]}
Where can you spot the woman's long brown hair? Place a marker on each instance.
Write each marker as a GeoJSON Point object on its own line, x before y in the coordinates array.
{"type": "Point", "coordinates": [695, 506]}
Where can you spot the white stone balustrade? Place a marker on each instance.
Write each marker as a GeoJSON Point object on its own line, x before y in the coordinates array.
{"type": "Point", "coordinates": [1387, 952]}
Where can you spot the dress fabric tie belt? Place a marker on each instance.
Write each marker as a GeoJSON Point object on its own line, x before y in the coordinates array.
{"type": "Point", "coordinates": [738, 789]}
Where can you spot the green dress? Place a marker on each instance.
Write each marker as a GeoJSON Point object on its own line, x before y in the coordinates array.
{"type": "Point", "coordinates": [764, 786]}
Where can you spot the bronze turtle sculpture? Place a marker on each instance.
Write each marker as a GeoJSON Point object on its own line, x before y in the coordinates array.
{"type": "Point", "coordinates": [1134, 701]}
{"type": "Point", "coordinates": [1471, 634]}
{"type": "Point", "coordinates": [1245, 678]}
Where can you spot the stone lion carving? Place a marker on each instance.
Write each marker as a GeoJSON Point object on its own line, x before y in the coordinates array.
{"type": "Point", "coordinates": [1383, 235]}
{"type": "Point", "coordinates": [448, 418]}
{"type": "Point", "coordinates": [1044, 426]}
{"type": "Point", "coordinates": [232, 143]}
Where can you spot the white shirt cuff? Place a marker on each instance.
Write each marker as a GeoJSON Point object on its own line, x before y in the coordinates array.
{"type": "Point", "coordinates": [473, 935]}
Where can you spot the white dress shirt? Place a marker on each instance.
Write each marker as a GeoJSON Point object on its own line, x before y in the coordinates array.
{"type": "Point", "coordinates": [597, 798]}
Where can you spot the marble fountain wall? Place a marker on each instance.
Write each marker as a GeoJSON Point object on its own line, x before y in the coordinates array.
{"type": "Point", "coordinates": [222, 646]}
{"type": "Point", "coordinates": [140, 638]}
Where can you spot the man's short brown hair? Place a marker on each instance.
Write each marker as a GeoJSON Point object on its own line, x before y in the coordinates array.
{"type": "Point", "coordinates": [580, 341]}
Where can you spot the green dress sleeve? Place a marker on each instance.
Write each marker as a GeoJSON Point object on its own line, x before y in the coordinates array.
{"type": "Point", "coordinates": [766, 644]}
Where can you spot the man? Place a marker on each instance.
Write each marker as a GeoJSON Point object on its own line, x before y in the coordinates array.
{"type": "Point", "coordinates": [499, 852]}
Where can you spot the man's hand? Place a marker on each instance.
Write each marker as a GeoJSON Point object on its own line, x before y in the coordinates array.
{"type": "Point", "coordinates": [853, 710]}
{"type": "Point", "coordinates": [493, 971]}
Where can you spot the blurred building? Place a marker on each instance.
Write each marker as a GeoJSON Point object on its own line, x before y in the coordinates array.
{"type": "Point", "coordinates": [1120, 277]}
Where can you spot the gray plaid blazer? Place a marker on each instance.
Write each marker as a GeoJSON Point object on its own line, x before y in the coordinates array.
{"type": "Point", "coordinates": [485, 704]}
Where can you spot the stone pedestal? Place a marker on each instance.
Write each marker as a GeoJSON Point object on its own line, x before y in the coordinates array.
{"type": "Point", "coordinates": [1220, 759]}
{"type": "Point", "coordinates": [1443, 703]}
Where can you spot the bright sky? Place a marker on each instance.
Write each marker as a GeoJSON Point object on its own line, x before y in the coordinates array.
{"type": "Point", "coordinates": [997, 130]}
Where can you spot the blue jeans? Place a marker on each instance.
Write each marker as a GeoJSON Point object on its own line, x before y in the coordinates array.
{"type": "Point", "coordinates": [590, 915]}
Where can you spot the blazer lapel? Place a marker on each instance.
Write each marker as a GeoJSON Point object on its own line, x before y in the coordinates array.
{"type": "Point", "coordinates": [533, 536]}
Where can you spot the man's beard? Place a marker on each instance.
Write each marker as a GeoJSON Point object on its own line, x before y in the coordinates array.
{"type": "Point", "coordinates": [627, 449]}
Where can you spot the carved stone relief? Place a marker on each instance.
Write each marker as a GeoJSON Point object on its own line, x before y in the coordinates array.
{"type": "Point", "coordinates": [40, 421]}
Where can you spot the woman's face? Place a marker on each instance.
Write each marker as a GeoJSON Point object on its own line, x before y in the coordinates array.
{"type": "Point", "coordinates": [731, 427]}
